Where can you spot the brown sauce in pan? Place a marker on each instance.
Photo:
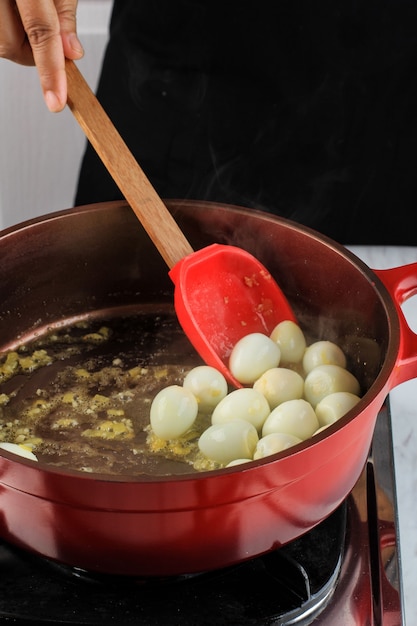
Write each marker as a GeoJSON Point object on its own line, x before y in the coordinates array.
{"type": "Point", "coordinates": [79, 397]}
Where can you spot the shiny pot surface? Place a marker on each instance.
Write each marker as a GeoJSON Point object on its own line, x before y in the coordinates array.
{"type": "Point", "coordinates": [97, 259]}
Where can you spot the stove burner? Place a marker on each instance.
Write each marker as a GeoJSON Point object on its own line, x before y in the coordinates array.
{"type": "Point", "coordinates": [282, 587]}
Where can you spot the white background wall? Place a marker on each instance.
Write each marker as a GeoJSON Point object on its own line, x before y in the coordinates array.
{"type": "Point", "coordinates": [40, 152]}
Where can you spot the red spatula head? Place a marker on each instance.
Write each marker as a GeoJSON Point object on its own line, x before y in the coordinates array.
{"type": "Point", "coordinates": [223, 293]}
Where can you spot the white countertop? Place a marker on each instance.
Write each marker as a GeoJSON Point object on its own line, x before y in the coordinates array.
{"type": "Point", "coordinates": [403, 402]}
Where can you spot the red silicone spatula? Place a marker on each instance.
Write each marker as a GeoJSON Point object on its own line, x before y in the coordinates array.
{"type": "Point", "coordinates": [221, 292]}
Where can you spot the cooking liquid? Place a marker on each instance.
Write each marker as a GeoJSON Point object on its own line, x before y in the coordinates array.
{"type": "Point", "coordinates": [84, 405]}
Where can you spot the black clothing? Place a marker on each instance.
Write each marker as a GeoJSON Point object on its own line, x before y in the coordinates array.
{"type": "Point", "coordinates": [304, 109]}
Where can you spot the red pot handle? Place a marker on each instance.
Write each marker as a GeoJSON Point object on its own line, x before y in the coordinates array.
{"type": "Point", "coordinates": [401, 283]}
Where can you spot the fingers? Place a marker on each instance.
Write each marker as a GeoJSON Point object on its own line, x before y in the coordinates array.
{"type": "Point", "coordinates": [67, 18]}
{"type": "Point", "coordinates": [50, 28]}
{"type": "Point", "coordinates": [13, 41]}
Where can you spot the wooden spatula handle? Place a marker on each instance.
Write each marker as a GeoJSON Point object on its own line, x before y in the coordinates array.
{"type": "Point", "coordinates": [123, 167]}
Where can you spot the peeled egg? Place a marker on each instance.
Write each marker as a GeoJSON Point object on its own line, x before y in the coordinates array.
{"type": "Point", "coordinates": [295, 417]}
{"type": "Point", "coordinates": [291, 341]}
{"type": "Point", "coordinates": [273, 443]}
{"type": "Point", "coordinates": [323, 353]}
{"type": "Point", "coordinates": [280, 384]}
{"type": "Point", "coordinates": [173, 412]}
{"type": "Point", "coordinates": [334, 406]}
{"type": "Point", "coordinates": [238, 462]}
{"type": "Point", "coordinates": [321, 429]}
{"type": "Point", "coordinates": [326, 379]}
{"type": "Point", "coordinates": [207, 384]}
{"type": "Point", "coordinates": [245, 404]}
{"type": "Point", "coordinates": [227, 442]}
{"type": "Point", "coordinates": [21, 450]}
{"type": "Point", "coordinates": [252, 356]}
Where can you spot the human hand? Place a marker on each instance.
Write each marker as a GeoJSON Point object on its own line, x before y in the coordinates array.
{"type": "Point", "coordinates": [41, 33]}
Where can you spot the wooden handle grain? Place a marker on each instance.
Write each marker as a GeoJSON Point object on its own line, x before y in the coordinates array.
{"type": "Point", "coordinates": [123, 167]}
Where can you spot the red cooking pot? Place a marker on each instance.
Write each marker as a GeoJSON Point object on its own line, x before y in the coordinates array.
{"type": "Point", "coordinates": [96, 259]}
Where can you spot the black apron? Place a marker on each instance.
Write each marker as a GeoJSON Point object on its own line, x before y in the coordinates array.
{"type": "Point", "coordinates": [304, 109]}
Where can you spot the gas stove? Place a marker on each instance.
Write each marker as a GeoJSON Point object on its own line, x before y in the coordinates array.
{"type": "Point", "coordinates": [345, 572]}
